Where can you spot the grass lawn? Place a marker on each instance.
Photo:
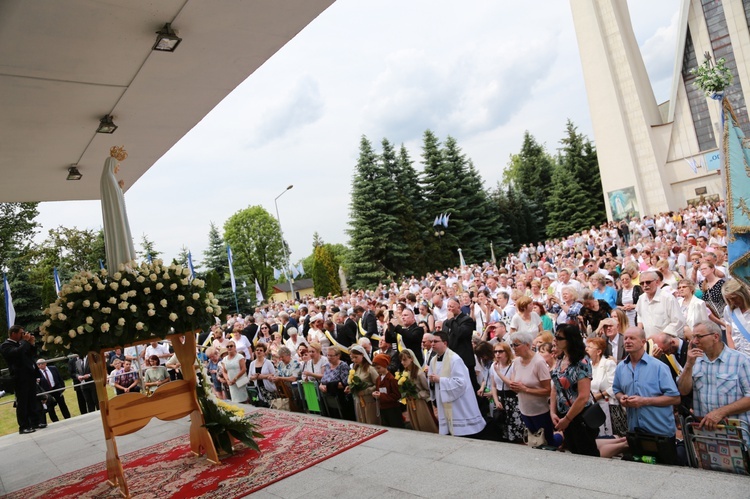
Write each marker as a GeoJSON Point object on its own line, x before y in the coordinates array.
{"type": "Point", "coordinates": [8, 422]}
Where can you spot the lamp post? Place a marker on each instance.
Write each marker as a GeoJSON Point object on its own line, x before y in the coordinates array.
{"type": "Point", "coordinates": [286, 251]}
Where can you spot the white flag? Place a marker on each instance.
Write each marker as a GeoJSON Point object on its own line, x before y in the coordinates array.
{"type": "Point", "coordinates": [258, 293]}
{"type": "Point", "coordinates": [231, 268]}
{"type": "Point", "coordinates": [10, 312]}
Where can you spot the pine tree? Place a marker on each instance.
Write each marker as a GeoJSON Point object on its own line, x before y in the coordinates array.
{"type": "Point", "coordinates": [324, 270]}
{"type": "Point", "coordinates": [396, 258]}
{"type": "Point", "coordinates": [566, 205]}
{"type": "Point", "coordinates": [147, 249]}
{"type": "Point", "coordinates": [412, 221]}
{"type": "Point", "coordinates": [27, 296]}
{"type": "Point", "coordinates": [370, 224]}
{"type": "Point", "coordinates": [215, 259]}
{"type": "Point", "coordinates": [579, 158]}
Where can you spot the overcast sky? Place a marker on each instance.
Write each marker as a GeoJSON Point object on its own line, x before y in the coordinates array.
{"type": "Point", "coordinates": [481, 71]}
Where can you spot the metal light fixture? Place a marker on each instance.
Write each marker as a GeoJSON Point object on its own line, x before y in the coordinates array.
{"type": "Point", "coordinates": [73, 173]}
{"type": "Point", "coordinates": [106, 125]}
{"type": "Point", "coordinates": [166, 39]}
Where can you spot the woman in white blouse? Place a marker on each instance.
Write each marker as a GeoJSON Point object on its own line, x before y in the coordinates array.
{"type": "Point", "coordinates": [602, 379]}
{"type": "Point", "coordinates": [693, 308]}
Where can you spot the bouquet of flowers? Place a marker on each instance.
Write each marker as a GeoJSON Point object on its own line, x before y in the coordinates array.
{"type": "Point", "coordinates": [224, 420]}
{"type": "Point", "coordinates": [406, 386]}
{"type": "Point", "coordinates": [710, 78]}
{"type": "Point", "coordinates": [356, 384]}
{"type": "Point", "coordinates": [97, 310]}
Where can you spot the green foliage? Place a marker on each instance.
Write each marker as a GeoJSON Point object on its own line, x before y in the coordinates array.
{"type": "Point", "coordinates": [17, 227]}
{"type": "Point", "coordinates": [147, 249]}
{"type": "Point", "coordinates": [257, 246]}
{"type": "Point", "coordinates": [215, 259]}
{"type": "Point", "coordinates": [325, 271]}
{"type": "Point", "coordinates": [578, 157]}
{"type": "Point", "coordinates": [566, 205]}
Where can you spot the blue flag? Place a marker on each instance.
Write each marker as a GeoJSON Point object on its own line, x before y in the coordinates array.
{"type": "Point", "coordinates": [56, 277]}
{"type": "Point", "coordinates": [101, 264]}
{"type": "Point", "coordinates": [735, 162]}
{"type": "Point", "coordinates": [10, 312]}
{"type": "Point", "coordinates": [150, 259]}
{"type": "Point", "coordinates": [300, 269]}
{"type": "Point", "coordinates": [295, 272]}
{"type": "Point", "coordinates": [231, 268]}
{"type": "Point", "coordinates": [276, 274]}
{"type": "Point", "coordinates": [190, 266]}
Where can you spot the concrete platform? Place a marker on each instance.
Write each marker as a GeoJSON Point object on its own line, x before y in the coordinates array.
{"type": "Point", "coordinates": [399, 463]}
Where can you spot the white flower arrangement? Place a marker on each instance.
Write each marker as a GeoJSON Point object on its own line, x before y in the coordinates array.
{"type": "Point", "coordinates": [130, 313]}
{"type": "Point", "coordinates": [712, 78]}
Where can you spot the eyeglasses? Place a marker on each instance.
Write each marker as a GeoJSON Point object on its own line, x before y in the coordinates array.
{"type": "Point", "coordinates": [230, 346]}
{"type": "Point", "coordinates": [699, 336]}
{"type": "Point", "coordinates": [499, 351]}
{"type": "Point", "coordinates": [646, 283]}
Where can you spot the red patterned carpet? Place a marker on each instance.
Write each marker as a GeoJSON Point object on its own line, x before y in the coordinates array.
{"type": "Point", "coordinates": [293, 443]}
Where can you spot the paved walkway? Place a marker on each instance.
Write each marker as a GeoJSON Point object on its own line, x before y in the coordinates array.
{"type": "Point", "coordinates": [415, 464]}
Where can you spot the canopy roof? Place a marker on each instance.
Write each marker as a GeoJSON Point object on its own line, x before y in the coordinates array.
{"type": "Point", "coordinates": [64, 65]}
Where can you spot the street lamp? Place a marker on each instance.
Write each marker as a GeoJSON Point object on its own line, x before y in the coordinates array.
{"type": "Point", "coordinates": [286, 251]}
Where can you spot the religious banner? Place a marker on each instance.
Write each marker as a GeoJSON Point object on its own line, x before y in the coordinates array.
{"type": "Point", "coordinates": [736, 149]}
{"type": "Point", "coordinates": [623, 204]}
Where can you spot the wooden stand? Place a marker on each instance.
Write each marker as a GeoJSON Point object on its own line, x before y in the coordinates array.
{"type": "Point", "coordinates": [129, 412]}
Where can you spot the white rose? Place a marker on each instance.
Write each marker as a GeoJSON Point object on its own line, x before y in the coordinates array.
{"type": "Point", "coordinates": [140, 279]}
{"type": "Point", "coordinates": [121, 321]}
{"type": "Point", "coordinates": [62, 317]}
{"type": "Point", "coordinates": [124, 296]}
{"type": "Point", "coordinates": [125, 282]}
{"type": "Point", "coordinates": [72, 333]}
{"type": "Point", "coordinates": [210, 295]}
{"type": "Point", "coordinates": [117, 276]}
{"type": "Point", "coordinates": [215, 301]}
{"type": "Point", "coordinates": [190, 310]}
{"type": "Point", "coordinates": [146, 291]}
{"type": "Point", "coordinates": [180, 298]}
{"type": "Point", "coordinates": [89, 320]}
{"type": "Point", "coordinates": [159, 286]}
{"type": "Point", "coordinates": [77, 289]}
{"type": "Point", "coordinates": [95, 305]}
{"type": "Point", "coordinates": [80, 329]}
{"type": "Point", "coordinates": [163, 303]}
{"type": "Point", "coordinates": [185, 271]}
{"type": "Point", "coordinates": [173, 286]}
{"type": "Point", "coordinates": [139, 326]}
{"type": "Point", "coordinates": [58, 340]}
{"type": "Point", "coordinates": [105, 327]}
{"type": "Point", "coordinates": [196, 296]}
{"type": "Point", "coordinates": [184, 282]}
{"type": "Point", "coordinates": [103, 272]}
{"type": "Point", "coordinates": [88, 287]}
{"type": "Point", "coordinates": [47, 323]}
{"type": "Point", "coordinates": [199, 283]}
{"type": "Point", "coordinates": [100, 286]}
{"type": "Point", "coordinates": [210, 310]}
{"type": "Point", "coordinates": [122, 305]}
{"type": "Point", "coordinates": [133, 308]}
{"type": "Point", "coordinates": [50, 339]}
{"type": "Point", "coordinates": [172, 317]}
{"type": "Point", "coordinates": [112, 300]}
{"type": "Point", "coordinates": [150, 306]}
{"type": "Point", "coordinates": [114, 285]}
{"type": "Point", "coordinates": [71, 305]}
{"type": "Point", "coordinates": [151, 313]}
{"type": "Point", "coordinates": [106, 310]}
{"type": "Point", "coordinates": [153, 277]}
{"type": "Point", "coordinates": [165, 276]}
{"type": "Point", "coordinates": [86, 303]}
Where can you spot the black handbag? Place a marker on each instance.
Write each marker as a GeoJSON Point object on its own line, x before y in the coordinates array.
{"type": "Point", "coordinates": [592, 416]}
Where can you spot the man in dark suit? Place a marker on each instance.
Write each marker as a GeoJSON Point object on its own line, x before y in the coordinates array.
{"type": "Point", "coordinates": [411, 333]}
{"type": "Point", "coordinates": [673, 352]}
{"type": "Point", "coordinates": [83, 373]}
{"type": "Point", "coordinates": [72, 360]}
{"type": "Point", "coordinates": [50, 379]}
{"type": "Point", "coordinates": [615, 348]}
{"type": "Point", "coordinates": [251, 329]}
{"type": "Point", "coordinates": [19, 352]}
{"type": "Point", "coordinates": [460, 328]}
{"type": "Point", "coordinates": [367, 323]}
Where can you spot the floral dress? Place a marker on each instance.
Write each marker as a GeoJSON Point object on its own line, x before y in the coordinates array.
{"type": "Point", "coordinates": [512, 429]}
{"type": "Point", "coordinates": [566, 383]}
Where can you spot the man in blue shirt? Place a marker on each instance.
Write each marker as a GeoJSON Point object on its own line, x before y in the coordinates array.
{"type": "Point", "coordinates": [644, 386]}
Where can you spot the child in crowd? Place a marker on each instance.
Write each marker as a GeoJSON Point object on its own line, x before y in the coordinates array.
{"type": "Point", "coordinates": [387, 393]}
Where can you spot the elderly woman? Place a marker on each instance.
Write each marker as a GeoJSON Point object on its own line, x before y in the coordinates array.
{"type": "Point", "coordinates": [334, 381]}
{"type": "Point", "coordinates": [233, 367]}
{"type": "Point", "coordinates": [261, 371]}
{"type": "Point", "coordinates": [506, 400]}
{"type": "Point", "coordinates": [364, 403]}
{"type": "Point", "coordinates": [531, 381]}
{"type": "Point", "coordinates": [314, 368]}
{"type": "Point", "coordinates": [601, 291]}
{"type": "Point", "coordinates": [155, 375]}
{"type": "Point", "coordinates": [571, 377]}
{"type": "Point", "coordinates": [627, 297]}
{"type": "Point", "coordinates": [737, 315]}
{"type": "Point", "coordinates": [693, 308]}
{"type": "Point", "coordinates": [241, 342]}
{"type": "Point", "coordinates": [525, 320]}
{"type": "Point", "coordinates": [419, 409]}
{"type": "Point", "coordinates": [213, 368]}
{"type": "Point", "coordinates": [602, 378]}
{"type": "Point", "coordinates": [567, 309]}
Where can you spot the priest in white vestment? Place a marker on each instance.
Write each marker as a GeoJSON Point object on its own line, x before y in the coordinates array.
{"type": "Point", "coordinates": [451, 389]}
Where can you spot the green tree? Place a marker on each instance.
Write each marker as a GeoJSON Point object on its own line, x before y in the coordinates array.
{"type": "Point", "coordinates": [182, 256]}
{"type": "Point", "coordinates": [413, 219]}
{"type": "Point", "coordinates": [257, 246]}
{"type": "Point", "coordinates": [566, 205]}
{"type": "Point", "coordinates": [147, 249]}
{"type": "Point", "coordinates": [370, 225]}
{"type": "Point", "coordinates": [215, 260]}
{"type": "Point", "coordinates": [17, 228]}
{"type": "Point", "coordinates": [27, 296]}
{"type": "Point", "coordinates": [324, 270]}
{"type": "Point", "coordinates": [578, 156]}
{"type": "Point", "coordinates": [396, 258]}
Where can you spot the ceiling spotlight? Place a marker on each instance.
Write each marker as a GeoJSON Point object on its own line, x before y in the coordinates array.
{"type": "Point", "coordinates": [73, 173]}
{"type": "Point", "coordinates": [106, 125]}
{"type": "Point", "coordinates": [166, 39]}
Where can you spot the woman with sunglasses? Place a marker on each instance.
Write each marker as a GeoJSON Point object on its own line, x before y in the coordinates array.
{"type": "Point", "coordinates": [572, 394]}
{"type": "Point", "coordinates": [261, 372]}
{"type": "Point", "coordinates": [507, 413]}
{"type": "Point", "coordinates": [233, 367]}
{"type": "Point", "coordinates": [531, 381]}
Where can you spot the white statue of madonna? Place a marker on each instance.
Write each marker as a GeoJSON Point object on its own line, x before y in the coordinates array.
{"type": "Point", "coordinates": [118, 242]}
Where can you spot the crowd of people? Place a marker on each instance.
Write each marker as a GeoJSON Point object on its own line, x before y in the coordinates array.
{"type": "Point", "coordinates": [587, 343]}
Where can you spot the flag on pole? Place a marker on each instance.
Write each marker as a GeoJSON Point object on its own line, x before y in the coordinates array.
{"type": "Point", "coordinates": [101, 264]}
{"type": "Point", "coordinates": [258, 293]}
{"type": "Point", "coordinates": [295, 272]}
{"type": "Point", "coordinates": [56, 277]}
{"type": "Point", "coordinates": [445, 219]}
{"type": "Point", "coordinates": [492, 252]}
{"type": "Point", "coordinates": [190, 266]}
{"type": "Point", "coordinates": [693, 164]}
{"type": "Point", "coordinates": [462, 262]}
{"type": "Point", "coordinates": [10, 312]}
{"type": "Point", "coordinates": [150, 259]}
{"type": "Point", "coordinates": [276, 274]}
{"type": "Point", "coordinates": [300, 269]}
{"type": "Point", "coordinates": [231, 268]}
